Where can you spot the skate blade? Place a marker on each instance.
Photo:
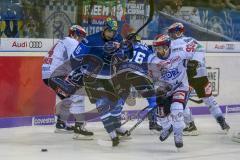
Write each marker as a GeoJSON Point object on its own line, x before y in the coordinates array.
{"type": "Point", "coordinates": [193, 133]}
{"type": "Point", "coordinates": [82, 137]}
{"type": "Point", "coordinates": [62, 131]}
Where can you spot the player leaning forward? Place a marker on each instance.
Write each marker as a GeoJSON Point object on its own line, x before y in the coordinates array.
{"type": "Point", "coordinates": [167, 69]}
{"type": "Point", "coordinates": [55, 70]}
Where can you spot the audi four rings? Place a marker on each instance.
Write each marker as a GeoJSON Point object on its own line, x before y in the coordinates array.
{"type": "Point", "coordinates": [35, 44]}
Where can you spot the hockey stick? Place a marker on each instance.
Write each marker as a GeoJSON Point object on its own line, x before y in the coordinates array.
{"type": "Point", "coordinates": [135, 115]}
{"type": "Point", "coordinates": [141, 120]}
{"type": "Point", "coordinates": [196, 100]}
{"type": "Point", "coordinates": [150, 110]}
{"type": "Point", "coordinates": [151, 12]}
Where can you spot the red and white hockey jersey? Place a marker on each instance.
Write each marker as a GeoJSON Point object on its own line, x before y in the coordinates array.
{"type": "Point", "coordinates": [192, 45]}
{"type": "Point", "coordinates": [57, 60]}
{"type": "Point", "coordinates": [172, 70]}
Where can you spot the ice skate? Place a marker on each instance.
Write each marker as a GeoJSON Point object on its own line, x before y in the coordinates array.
{"type": "Point", "coordinates": [190, 130]}
{"type": "Point", "coordinates": [223, 123]}
{"type": "Point", "coordinates": [154, 126]}
{"type": "Point", "coordinates": [115, 141]}
{"type": "Point", "coordinates": [81, 132]}
{"type": "Point", "coordinates": [61, 127]}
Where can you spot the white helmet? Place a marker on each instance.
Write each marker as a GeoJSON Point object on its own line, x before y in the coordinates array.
{"type": "Point", "coordinates": [77, 30]}
{"type": "Point", "coordinates": [176, 30]}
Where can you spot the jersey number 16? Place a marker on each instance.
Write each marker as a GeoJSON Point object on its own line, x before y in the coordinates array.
{"type": "Point", "coordinates": [138, 57]}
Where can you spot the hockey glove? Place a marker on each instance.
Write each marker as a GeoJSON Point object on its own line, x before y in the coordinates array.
{"type": "Point", "coordinates": [192, 66]}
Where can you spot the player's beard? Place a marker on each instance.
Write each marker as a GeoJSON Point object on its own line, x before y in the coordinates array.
{"type": "Point", "coordinates": [163, 54]}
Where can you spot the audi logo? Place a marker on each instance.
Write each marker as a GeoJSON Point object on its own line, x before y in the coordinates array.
{"type": "Point", "coordinates": [35, 44]}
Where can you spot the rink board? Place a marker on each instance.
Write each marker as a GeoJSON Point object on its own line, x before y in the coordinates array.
{"type": "Point", "coordinates": [50, 119]}
{"type": "Point", "coordinates": [25, 99]}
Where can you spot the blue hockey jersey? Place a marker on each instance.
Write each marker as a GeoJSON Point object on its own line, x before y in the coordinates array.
{"type": "Point", "coordinates": [138, 63]}
{"type": "Point", "coordinates": [93, 45]}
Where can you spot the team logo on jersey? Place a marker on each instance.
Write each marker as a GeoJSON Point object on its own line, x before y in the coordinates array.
{"type": "Point", "coordinates": [171, 74]}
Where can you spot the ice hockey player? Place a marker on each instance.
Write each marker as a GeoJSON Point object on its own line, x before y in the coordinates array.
{"type": "Point", "coordinates": [95, 53]}
{"type": "Point", "coordinates": [55, 70]}
{"type": "Point", "coordinates": [132, 71]}
{"type": "Point", "coordinates": [170, 78]}
{"type": "Point", "coordinates": [198, 80]}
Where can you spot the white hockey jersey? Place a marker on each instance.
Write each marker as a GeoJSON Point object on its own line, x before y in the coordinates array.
{"type": "Point", "coordinates": [57, 60]}
{"type": "Point", "coordinates": [171, 70]}
{"type": "Point", "coordinates": [192, 45]}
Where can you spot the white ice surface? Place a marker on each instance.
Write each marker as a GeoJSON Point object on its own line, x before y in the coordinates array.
{"type": "Point", "coordinates": [25, 143]}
